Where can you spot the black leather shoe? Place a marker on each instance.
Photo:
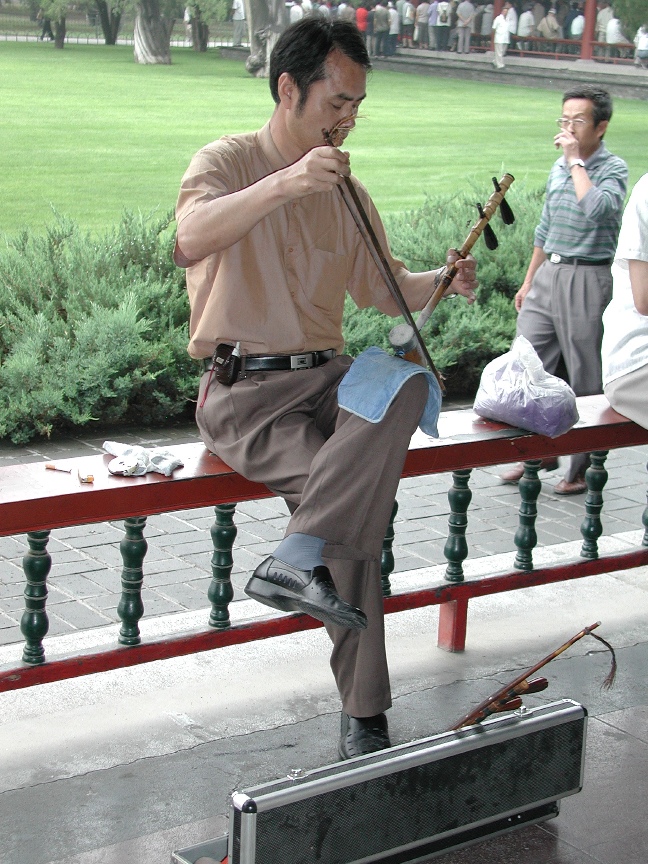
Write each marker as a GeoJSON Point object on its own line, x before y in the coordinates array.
{"type": "Point", "coordinates": [311, 591]}
{"type": "Point", "coordinates": [362, 735]}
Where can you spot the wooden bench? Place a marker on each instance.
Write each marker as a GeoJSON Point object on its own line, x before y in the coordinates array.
{"type": "Point", "coordinates": [34, 500]}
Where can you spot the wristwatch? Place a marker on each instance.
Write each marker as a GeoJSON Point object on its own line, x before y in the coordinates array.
{"type": "Point", "coordinates": [576, 162]}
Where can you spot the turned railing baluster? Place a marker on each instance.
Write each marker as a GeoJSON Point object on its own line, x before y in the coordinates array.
{"type": "Point", "coordinates": [591, 527]}
{"type": "Point", "coordinates": [221, 593]}
{"type": "Point", "coordinates": [526, 537]}
{"type": "Point", "coordinates": [34, 623]}
{"type": "Point", "coordinates": [456, 546]}
{"type": "Point", "coordinates": [130, 608]}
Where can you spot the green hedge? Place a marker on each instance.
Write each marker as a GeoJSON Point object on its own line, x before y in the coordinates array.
{"type": "Point", "coordinates": [94, 329]}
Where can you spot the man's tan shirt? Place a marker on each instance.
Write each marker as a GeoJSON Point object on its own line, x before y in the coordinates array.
{"type": "Point", "coordinates": [281, 288]}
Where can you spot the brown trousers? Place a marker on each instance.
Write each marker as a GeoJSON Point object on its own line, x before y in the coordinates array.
{"type": "Point", "coordinates": [339, 475]}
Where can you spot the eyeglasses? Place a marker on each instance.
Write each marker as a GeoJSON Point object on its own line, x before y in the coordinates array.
{"type": "Point", "coordinates": [576, 122]}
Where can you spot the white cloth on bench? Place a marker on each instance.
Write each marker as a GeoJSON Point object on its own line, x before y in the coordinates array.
{"type": "Point", "coordinates": [133, 461]}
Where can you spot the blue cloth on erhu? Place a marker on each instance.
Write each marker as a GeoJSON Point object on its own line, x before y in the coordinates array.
{"type": "Point", "coordinates": [374, 379]}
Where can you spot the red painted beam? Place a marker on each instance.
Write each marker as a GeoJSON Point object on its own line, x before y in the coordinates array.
{"type": "Point", "coordinates": [192, 643]}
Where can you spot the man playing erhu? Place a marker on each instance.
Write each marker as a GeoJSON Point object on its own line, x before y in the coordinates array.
{"type": "Point", "coordinates": [270, 251]}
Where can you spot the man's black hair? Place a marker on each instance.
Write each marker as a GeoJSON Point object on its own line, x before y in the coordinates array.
{"type": "Point", "coordinates": [302, 49]}
{"type": "Point", "coordinates": [600, 99]}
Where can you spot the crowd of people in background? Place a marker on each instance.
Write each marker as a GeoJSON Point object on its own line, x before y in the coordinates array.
{"type": "Point", "coordinates": [458, 25]}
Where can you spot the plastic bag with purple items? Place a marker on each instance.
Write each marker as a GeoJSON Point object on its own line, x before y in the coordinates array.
{"type": "Point", "coordinates": [516, 389]}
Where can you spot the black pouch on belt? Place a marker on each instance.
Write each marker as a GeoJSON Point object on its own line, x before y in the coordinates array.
{"type": "Point", "coordinates": [226, 363]}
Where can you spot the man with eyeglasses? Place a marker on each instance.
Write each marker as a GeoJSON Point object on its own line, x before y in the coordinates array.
{"type": "Point", "coordinates": [568, 283]}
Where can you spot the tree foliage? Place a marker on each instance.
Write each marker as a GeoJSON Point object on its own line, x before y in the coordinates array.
{"type": "Point", "coordinates": [56, 11]}
{"type": "Point", "coordinates": [633, 14]}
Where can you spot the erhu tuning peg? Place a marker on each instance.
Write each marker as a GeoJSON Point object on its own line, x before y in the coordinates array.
{"type": "Point", "coordinates": [506, 213]}
{"type": "Point", "coordinates": [489, 235]}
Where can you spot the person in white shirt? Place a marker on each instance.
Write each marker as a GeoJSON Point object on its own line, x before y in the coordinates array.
{"type": "Point", "coordinates": [577, 26]}
{"type": "Point", "coordinates": [615, 36]}
{"type": "Point", "coordinates": [238, 18]}
{"type": "Point", "coordinates": [625, 321]}
{"type": "Point", "coordinates": [512, 19]}
{"type": "Point", "coordinates": [394, 29]}
{"type": "Point", "coordinates": [603, 17]}
{"type": "Point", "coordinates": [443, 25]}
{"type": "Point", "coordinates": [502, 36]}
{"type": "Point", "coordinates": [641, 47]}
{"type": "Point", "coordinates": [526, 26]}
{"type": "Point", "coordinates": [296, 11]}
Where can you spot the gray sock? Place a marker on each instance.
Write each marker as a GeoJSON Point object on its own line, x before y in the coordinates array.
{"type": "Point", "coordinates": [301, 550]}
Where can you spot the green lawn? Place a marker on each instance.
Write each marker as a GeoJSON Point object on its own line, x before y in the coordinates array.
{"type": "Point", "coordinates": [89, 132]}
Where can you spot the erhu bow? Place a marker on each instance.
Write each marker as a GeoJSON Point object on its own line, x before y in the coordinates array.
{"type": "Point", "coordinates": [359, 214]}
{"type": "Point", "coordinates": [509, 697]}
{"type": "Point", "coordinates": [406, 338]}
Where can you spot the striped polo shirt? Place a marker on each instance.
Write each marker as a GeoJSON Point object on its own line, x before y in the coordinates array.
{"type": "Point", "coordinates": [587, 228]}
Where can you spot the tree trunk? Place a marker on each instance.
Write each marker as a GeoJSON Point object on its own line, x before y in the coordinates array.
{"type": "Point", "coordinates": [59, 33]}
{"type": "Point", "coordinates": [110, 20]}
{"type": "Point", "coordinates": [267, 19]}
{"type": "Point", "coordinates": [199, 32]}
{"type": "Point", "coordinates": [152, 34]}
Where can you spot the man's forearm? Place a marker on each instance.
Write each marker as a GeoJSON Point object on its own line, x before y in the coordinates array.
{"type": "Point", "coordinates": [581, 180]}
{"type": "Point", "coordinates": [537, 259]}
{"type": "Point", "coordinates": [218, 224]}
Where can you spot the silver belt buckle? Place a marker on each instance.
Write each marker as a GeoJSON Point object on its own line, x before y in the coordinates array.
{"type": "Point", "coordinates": [301, 361]}
{"type": "Point", "coordinates": [555, 258]}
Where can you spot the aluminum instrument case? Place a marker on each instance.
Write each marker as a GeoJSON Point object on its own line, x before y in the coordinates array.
{"type": "Point", "coordinates": [413, 801]}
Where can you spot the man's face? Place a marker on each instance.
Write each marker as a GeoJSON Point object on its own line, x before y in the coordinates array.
{"type": "Point", "coordinates": [331, 100]}
{"type": "Point", "coordinates": [583, 129]}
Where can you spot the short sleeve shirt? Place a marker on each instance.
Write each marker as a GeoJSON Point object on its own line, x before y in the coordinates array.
{"type": "Point", "coordinates": [281, 288]}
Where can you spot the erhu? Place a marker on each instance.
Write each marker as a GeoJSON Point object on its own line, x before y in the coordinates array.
{"type": "Point", "coordinates": [406, 339]}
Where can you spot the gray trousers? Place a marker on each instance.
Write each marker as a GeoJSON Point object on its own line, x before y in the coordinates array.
{"type": "Point", "coordinates": [339, 475]}
{"type": "Point", "coordinates": [562, 316]}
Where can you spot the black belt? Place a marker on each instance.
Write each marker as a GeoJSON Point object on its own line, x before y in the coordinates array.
{"type": "Point", "coordinates": [587, 262]}
{"type": "Point", "coordinates": [281, 362]}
